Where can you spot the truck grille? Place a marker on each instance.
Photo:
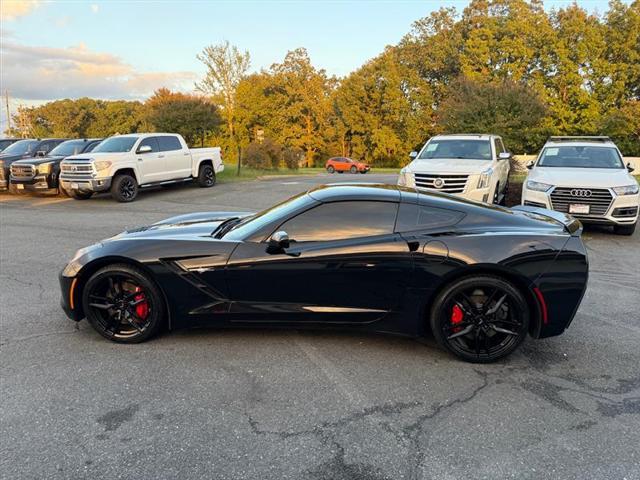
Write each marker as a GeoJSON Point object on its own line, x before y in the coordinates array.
{"type": "Point", "coordinates": [79, 170]}
{"type": "Point", "coordinates": [441, 183]}
{"type": "Point", "coordinates": [23, 171]}
{"type": "Point", "coordinates": [598, 199]}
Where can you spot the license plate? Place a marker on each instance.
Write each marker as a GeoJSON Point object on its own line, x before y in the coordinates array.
{"type": "Point", "coordinates": [20, 186]}
{"type": "Point", "coordinates": [74, 186]}
{"type": "Point", "coordinates": [579, 208]}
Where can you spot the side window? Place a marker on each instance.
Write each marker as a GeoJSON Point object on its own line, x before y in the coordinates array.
{"type": "Point", "coordinates": [342, 220]}
{"type": "Point", "coordinates": [91, 146]}
{"type": "Point", "coordinates": [502, 149]}
{"type": "Point", "coordinates": [412, 217]}
{"type": "Point", "coordinates": [46, 146]}
{"type": "Point", "coordinates": [168, 143]}
{"type": "Point", "coordinates": [496, 147]}
{"type": "Point", "coordinates": [150, 141]}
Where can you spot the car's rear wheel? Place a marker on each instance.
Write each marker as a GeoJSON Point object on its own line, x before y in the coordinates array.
{"type": "Point", "coordinates": [206, 176]}
{"type": "Point", "coordinates": [480, 318]}
{"type": "Point", "coordinates": [330, 169]}
{"type": "Point", "coordinates": [624, 229]}
{"type": "Point", "coordinates": [353, 169]}
{"type": "Point", "coordinates": [123, 304]}
{"type": "Point", "coordinates": [124, 188]}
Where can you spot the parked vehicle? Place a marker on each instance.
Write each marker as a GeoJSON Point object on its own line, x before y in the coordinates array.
{"type": "Point", "coordinates": [41, 174]}
{"type": "Point", "coordinates": [470, 166]}
{"type": "Point", "coordinates": [587, 178]}
{"type": "Point", "coordinates": [5, 142]}
{"type": "Point", "coordinates": [26, 148]}
{"type": "Point", "coordinates": [125, 163]}
{"type": "Point", "coordinates": [361, 256]}
{"type": "Point", "coordinates": [344, 164]}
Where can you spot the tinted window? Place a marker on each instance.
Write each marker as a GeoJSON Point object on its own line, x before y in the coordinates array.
{"type": "Point", "coordinates": [413, 217]}
{"type": "Point", "coordinates": [5, 143]}
{"type": "Point", "coordinates": [151, 142]}
{"type": "Point", "coordinates": [580, 157]}
{"type": "Point", "coordinates": [91, 146]}
{"type": "Point", "coordinates": [70, 147]}
{"type": "Point", "coordinates": [457, 148]}
{"type": "Point", "coordinates": [116, 144]}
{"type": "Point", "coordinates": [21, 147]}
{"type": "Point", "coordinates": [502, 148]}
{"type": "Point", "coordinates": [341, 220]}
{"type": "Point", "coordinates": [169, 143]}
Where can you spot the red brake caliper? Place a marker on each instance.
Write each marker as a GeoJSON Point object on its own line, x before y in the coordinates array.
{"type": "Point", "coordinates": [142, 308]}
{"type": "Point", "coordinates": [456, 317]}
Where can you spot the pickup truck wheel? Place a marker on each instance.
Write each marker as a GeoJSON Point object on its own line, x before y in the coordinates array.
{"type": "Point", "coordinates": [206, 176]}
{"type": "Point", "coordinates": [624, 229]}
{"type": "Point", "coordinates": [80, 195]}
{"type": "Point", "coordinates": [124, 188]}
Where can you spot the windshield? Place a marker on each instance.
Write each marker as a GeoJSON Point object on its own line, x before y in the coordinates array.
{"type": "Point", "coordinates": [21, 147]}
{"type": "Point", "coordinates": [116, 145]}
{"type": "Point", "coordinates": [574, 156]}
{"type": "Point", "coordinates": [250, 225]}
{"type": "Point", "coordinates": [457, 148]}
{"type": "Point", "coordinates": [68, 148]}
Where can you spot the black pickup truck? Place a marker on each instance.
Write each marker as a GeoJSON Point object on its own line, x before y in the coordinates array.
{"type": "Point", "coordinates": [26, 148]}
{"type": "Point", "coordinates": [40, 174]}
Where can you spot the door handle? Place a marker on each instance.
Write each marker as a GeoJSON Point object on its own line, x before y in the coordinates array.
{"type": "Point", "coordinates": [139, 159]}
{"type": "Point", "coordinates": [160, 156]}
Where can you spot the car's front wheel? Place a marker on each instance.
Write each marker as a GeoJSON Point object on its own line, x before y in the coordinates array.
{"type": "Point", "coordinates": [480, 318]}
{"type": "Point", "coordinates": [624, 229]}
{"type": "Point", "coordinates": [331, 169]}
{"type": "Point", "coordinates": [124, 188]}
{"type": "Point", "coordinates": [353, 169]}
{"type": "Point", "coordinates": [123, 304]}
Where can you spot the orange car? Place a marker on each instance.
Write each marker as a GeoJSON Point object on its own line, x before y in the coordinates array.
{"type": "Point", "coordinates": [344, 164]}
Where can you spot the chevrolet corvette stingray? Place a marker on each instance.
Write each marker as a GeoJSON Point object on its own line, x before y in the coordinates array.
{"type": "Point", "coordinates": [382, 258]}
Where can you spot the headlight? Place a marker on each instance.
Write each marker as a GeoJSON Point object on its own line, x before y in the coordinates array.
{"type": "Point", "coordinates": [101, 165]}
{"type": "Point", "coordinates": [626, 190]}
{"type": "Point", "coordinates": [485, 177]}
{"type": "Point", "coordinates": [44, 167]}
{"type": "Point", "coordinates": [404, 179]}
{"type": "Point", "coordinates": [538, 186]}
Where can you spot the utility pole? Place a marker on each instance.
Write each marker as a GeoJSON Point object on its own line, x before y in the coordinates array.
{"type": "Point", "coordinates": [6, 97]}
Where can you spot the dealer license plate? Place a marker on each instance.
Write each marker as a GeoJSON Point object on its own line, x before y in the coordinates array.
{"type": "Point", "coordinates": [74, 186]}
{"type": "Point", "coordinates": [19, 186]}
{"type": "Point", "coordinates": [579, 208]}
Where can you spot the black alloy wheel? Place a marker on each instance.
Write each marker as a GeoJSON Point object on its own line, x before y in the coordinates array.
{"type": "Point", "coordinates": [206, 176]}
{"type": "Point", "coordinates": [122, 304]}
{"type": "Point", "coordinates": [480, 319]}
{"type": "Point", "coordinates": [353, 169]}
{"type": "Point", "coordinates": [330, 169]}
{"type": "Point", "coordinates": [124, 188]}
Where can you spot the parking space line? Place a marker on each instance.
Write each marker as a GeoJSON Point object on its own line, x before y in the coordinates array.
{"type": "Point", "coordinates": [50, 202]}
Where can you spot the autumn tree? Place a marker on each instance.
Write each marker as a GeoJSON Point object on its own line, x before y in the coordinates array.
{"type": "Point", "coordinates": [226, 67]}
{"type": "Point", "coordinates": [191, 116]}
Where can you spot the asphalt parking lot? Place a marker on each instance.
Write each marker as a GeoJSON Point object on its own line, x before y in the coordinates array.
{"type": "Point", "coordinates": [263, 404]}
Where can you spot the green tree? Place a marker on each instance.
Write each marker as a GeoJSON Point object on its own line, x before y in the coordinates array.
{"type": "Point", "coordinates": [189, 115]}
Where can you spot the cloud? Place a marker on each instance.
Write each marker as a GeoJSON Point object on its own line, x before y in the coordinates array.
{"type": "Point", "coordinates": [12, 9]}
{"type": "Point", "coordinates": [95, 8]}
{"type": "Point", "coordinates": [47, 73]}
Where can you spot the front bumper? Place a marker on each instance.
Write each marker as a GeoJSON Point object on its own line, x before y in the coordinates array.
{"type": "Point", "coordinates": [66, 288]}
{"type": "Point", "coordinates": [38, 183]}
{"type": "Point", "coordinates": [86, 184]}
{"type": "Point", "coordinates": [623, 210]}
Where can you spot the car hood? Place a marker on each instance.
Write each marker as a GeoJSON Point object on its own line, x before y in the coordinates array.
{"type": "Point", "coordinates": [10, 158]}
{"type": "Point", "coordinates": [582, 177]}
{"type": "Point", "coordinates": [192, 225]}
{"type": "Point", "coordinates": [38, 160]}
{"type": "Point", "coordinates": [448, 165]}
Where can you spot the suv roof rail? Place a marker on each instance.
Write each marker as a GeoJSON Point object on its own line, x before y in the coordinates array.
{"type": "Point", "coordinates": [580, 138]}
{"type": "Point", "coordinates": [466, 135]}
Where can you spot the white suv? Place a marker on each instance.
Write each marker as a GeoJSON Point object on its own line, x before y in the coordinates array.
{"type": "Point", "coordinates": [587, 178]}
{"type": "Point", "coordinates": [471, 166]}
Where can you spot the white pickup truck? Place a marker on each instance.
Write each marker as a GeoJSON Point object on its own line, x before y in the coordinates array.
{"type": "Point", "coordinates": [123, 164]}
{"type": "Point", "coordinates": [470, 166]}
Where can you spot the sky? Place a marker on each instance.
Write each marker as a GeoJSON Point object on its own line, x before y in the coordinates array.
{"type": "Point", "coordinates": [126, 49]}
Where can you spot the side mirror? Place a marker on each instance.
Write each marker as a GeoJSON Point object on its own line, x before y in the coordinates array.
{"type": "Point", "coordinates": [41, 153]}
{"type": "Point", "coordinates": [278, 242]}
{"type": "Point", "coordinates": [413, 154]}
{"type": "Point", "coordinates": [144, 149]}
{"type": "Point", "coordinates": [630, 169]}
{"type": "Point", "coordinates": [504, 156]}
{"type": "Point", "coordinates": [530, 165]}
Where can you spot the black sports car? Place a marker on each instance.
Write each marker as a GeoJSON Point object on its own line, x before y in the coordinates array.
{"type": "Point", "coordinates": [369, 257]}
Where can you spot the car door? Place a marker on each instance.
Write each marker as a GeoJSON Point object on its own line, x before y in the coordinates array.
{"type": "Point", "coordinates": [502, 165]}
{"type": "Point", "coordinates": [152, 164]}
{"type": "Point", "coordinates": [177, 158]}
{"type": "Point", "coordinates": [344, 264]}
